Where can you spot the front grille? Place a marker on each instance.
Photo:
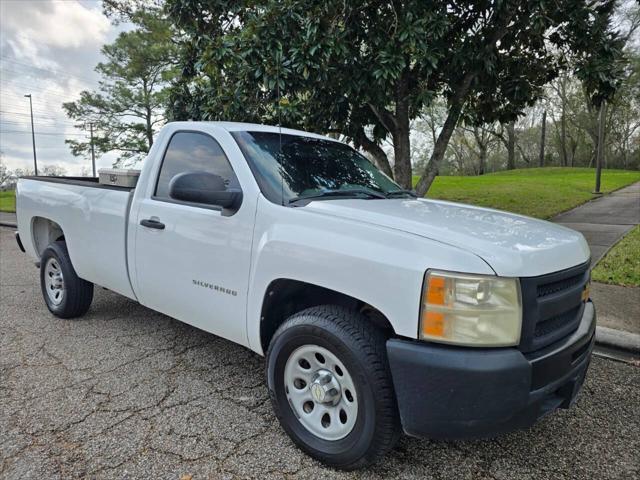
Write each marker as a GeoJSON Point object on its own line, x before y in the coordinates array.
{"type": "Point", "coordinates": [559, 286]}
{"type": "Point", "coordinates": [552, 306]}
{"type": "Point", "coordinates": [556, 323]}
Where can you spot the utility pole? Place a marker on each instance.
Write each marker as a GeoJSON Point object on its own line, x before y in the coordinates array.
{"type": "Point", "coordinates": [93, 154]}
{"type": "Point", "coordinates": [600, 150]}
{"type": "Point", "coordinates": [33, 137]}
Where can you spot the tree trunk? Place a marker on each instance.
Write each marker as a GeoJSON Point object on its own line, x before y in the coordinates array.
{"type": "Point", "coordinates": [482, 143]}
{"type": "Point", "coordinates": [440, 147]}
{"type": "Point", "coordinates": [542, 138]}
{"type": "Point", "coordinates": [401, 138]}
{"type": "Point", "coordinates": [511, 145]}
{"type": "Point", "coordinates": [148, 113]}
{"type": "Point", "coordinates": [573, 146]}
{"type": "Point", "coordinates": [379, 157]}
{"type": "Point", "coordinates": [402, 156]}
{"type": "Point", "coordinates": [456, 103]}
{"type": "Point", "coordinates": [563, 136]}
{"type": "Point", "coordinates": [483, 160]}
{"type": "Point", "coordinates": [149, 128]}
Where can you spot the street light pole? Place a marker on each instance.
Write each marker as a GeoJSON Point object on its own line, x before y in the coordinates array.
{"type": "Point", "coordinates": [33, 137]}
{"type": "Point", "coordinates": [600, 150]}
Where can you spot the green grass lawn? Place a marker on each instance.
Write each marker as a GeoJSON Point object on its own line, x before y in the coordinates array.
{"type": "Point", "coordinates": [8, 201]}
{"type": "Point", "coordinates": [537, 192]}
{"type": "Point", "coordinates": [621, 266]}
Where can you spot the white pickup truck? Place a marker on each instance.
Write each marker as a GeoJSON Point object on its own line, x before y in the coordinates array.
{"type": "Point", "coordinates": [377, 311]}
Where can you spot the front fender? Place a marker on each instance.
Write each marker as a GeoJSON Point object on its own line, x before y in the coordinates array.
{"type": "Point", "coordinates": [380, 266]}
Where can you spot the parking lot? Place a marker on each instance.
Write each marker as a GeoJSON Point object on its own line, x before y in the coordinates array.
{"type": "Point", "coordinates": [128, 393]}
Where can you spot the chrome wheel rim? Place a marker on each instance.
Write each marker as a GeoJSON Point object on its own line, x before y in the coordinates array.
{"type": "Point", "coordinates": [321, 392]}
{"type": "Point", "coordinates": [54, 281]}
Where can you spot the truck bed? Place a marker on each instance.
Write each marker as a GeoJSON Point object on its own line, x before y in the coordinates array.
{"type": "Point", "coordinates": [92, 217]}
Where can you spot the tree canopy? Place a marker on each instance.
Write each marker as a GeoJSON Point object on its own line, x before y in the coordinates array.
{"type": "Point", "coordinates": [131, 102]}
{"type": "Point", "coordinates": [366, 69]}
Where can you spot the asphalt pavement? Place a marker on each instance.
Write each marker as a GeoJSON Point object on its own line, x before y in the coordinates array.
{"type": "Point", "coordinates": [128, 393]}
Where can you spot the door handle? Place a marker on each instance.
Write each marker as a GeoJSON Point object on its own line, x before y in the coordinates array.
{"type": "Point", "coordinates": [150, 223]}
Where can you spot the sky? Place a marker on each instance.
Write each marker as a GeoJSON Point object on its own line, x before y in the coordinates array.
{"type": "Point", "coordinates": [48, 48]}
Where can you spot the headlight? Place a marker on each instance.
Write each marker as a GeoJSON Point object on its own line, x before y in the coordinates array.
{"type": "Point", "coordinates": [471, 310]}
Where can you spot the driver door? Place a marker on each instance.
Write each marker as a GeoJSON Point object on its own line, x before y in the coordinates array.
{"type": "Point", "coordinates": [192, 261]}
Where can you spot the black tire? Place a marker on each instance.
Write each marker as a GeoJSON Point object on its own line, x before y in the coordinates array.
{"type": "Point", "coordinates": [361, 348]}
{"type": "Point", "coordinates": [78, 293]}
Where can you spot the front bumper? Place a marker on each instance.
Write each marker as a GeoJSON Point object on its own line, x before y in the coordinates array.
{"type": "Point", "coordinates": [455, 392]}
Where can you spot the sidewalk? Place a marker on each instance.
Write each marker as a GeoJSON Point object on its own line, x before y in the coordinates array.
{"type": "Point", "coordinates": [7, 217]}
{"type": "Point", "coordinates": [603, 222]}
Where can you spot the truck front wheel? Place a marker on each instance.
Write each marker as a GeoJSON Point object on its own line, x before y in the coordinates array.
{"type": "Point", "coordinates": [65, 294]}
{"type": "Point", "coordinates": [330, 386]}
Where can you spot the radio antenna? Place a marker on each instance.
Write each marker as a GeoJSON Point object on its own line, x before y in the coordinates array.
{"type": "Point", "coordinates": [278, 59]}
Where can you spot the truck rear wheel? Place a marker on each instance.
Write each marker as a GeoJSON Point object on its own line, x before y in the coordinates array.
{"type": "Point", "coordinates": [65, 294]}
{"type": "Point", "coordinates": [330, 386]}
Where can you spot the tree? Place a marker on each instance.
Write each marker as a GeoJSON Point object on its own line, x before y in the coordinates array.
{"type": "Point", "coordinates": [5, 173]}
{"type": "Point", "coordinates": [52, 171]}
{"type": "Point", "coordinates": [624, 119]}
{"type": "Point", "coordinates": [507, 135]}
{"type": "Point", "coordinates": [366, 69]}
{"type": "Point", "coordinates": [23, 172]}
{"type": "Point", "coordinates": [130, 10]}
{"type": "Point", "coordinates": [543, 135]}
{"type": "Point", "coordinates": [130, 104]}
{"type": "Point", "coordinates": [483, 140]}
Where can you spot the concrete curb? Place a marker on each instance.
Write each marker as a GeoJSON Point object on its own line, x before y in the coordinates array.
{"type": "Point", "coordinates": [8, 224]}
{"type": "Point", "coordinates": [618, 339]}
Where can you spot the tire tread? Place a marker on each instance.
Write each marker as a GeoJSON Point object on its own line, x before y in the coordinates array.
{"type": "Point", "coordinates": [370, 342]}
{"type": "Point", "coordinates": [79, 292]}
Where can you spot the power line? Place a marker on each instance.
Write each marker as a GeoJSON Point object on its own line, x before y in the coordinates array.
{"type": "Point", "coordinates": [16, 100]}
{"type": "Point", "coordinates": [15, 113]}
{"type": "Point", "coordinates": [41, 111]}
{"type": "Point", "coordinates": [49, 148]}
{"type": "Point", "coordinates": [42, 117]}
{"type": "Point", "coordinates": [39, 128]}
{"type": "Point", "coordinates": [16, 103]}
{"type": "Point", "coordinates": [15, 117]}
{"type": "Point", "coordinates": [43, 95]}
{"type": "Point", "coordinates": [44, 133]}
{"type": "Point", "coordinates": [40, 125]}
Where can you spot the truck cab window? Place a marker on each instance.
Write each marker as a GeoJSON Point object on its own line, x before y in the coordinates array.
{"type": "Point", "coordinates": [192, 151]}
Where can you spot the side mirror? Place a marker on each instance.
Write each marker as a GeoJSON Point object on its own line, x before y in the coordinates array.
{"type": "Point", "coordinates": [206, 188]}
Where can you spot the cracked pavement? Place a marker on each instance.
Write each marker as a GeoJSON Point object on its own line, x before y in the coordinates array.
{"type": "Point", "coordinates": [128, 393]}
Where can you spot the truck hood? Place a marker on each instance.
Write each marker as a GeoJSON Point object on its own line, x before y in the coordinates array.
{"type": "Point", "coordinates": [513, 245]}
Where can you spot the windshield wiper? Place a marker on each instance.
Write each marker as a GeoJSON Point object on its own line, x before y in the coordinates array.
{"type": "Point", "coordinates": [336, 193]}
{"type": "Point", "coordinates": [395, 193]}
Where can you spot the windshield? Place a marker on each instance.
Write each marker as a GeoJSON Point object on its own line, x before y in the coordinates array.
{"type": "Point", "coordinates": [293, 167]}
